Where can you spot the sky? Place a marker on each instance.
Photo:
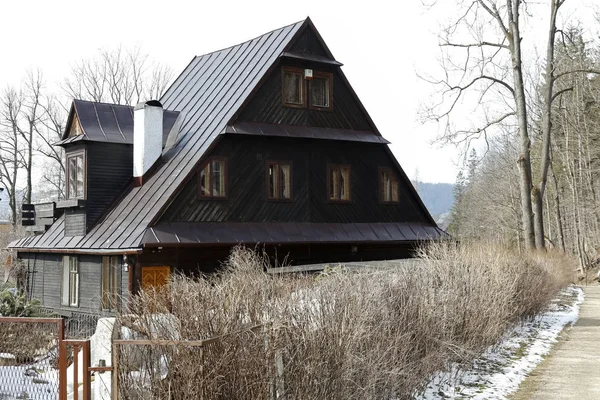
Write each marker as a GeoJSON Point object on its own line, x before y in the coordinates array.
{"type": "Point", "coordinates": [382, 44]}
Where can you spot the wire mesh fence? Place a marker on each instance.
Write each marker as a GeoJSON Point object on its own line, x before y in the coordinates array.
{"type": "Point", "coordinates": [29, 358]}
{"type": "Point", "coordinates": [233, 366]}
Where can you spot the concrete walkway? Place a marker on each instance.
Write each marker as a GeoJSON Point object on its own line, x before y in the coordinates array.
{"type": "Point", "coordinates": [572, 370]}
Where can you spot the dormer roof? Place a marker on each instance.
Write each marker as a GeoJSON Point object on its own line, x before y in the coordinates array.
{"type": "Point", "coordinates": [103, 122]}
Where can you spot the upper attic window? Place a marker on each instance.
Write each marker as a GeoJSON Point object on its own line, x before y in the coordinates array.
{"type": "Point", "coordinates": [320, 90]}
{"type": "Point", "coordinates": [293, 87]}
{"type": "Point", "coordinates": [76, 175]}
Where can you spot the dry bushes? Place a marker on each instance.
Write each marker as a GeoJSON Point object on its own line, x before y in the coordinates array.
{"type": "Point", "coordinates": [340, 336]}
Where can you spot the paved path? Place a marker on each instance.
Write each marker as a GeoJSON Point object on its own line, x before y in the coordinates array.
{"type": "Point", "coordinates": [572, 371]}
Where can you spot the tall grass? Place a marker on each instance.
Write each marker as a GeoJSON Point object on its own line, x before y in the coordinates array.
{"type": "Point", "coordinates": [371, 335]}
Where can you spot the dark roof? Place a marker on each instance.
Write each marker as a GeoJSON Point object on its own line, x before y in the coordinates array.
{"type": "Point", "coordinates": [310, 132]}
{"type": "Point", "coordinates": [209, 92]}
{"type": "Point", "coordinates": [231, 233]}
{"type": "Point", "coordinates": [113, 123]}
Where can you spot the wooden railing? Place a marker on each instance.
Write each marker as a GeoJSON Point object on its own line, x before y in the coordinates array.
{"type": "Point", "coordinates": [38, 217]}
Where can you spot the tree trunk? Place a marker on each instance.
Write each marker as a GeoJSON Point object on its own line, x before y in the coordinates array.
{"type": "Point", "coordinates": [524, 161]}
{"type": "Point", "coordinates": [548, 89]}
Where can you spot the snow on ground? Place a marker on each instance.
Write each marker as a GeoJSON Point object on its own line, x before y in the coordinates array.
{"type": "Point", "coordinates": [35, 381]}
{"type": "Point", "coordinates": [502, 368]}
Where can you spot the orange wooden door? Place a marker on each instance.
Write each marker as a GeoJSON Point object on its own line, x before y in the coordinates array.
{"type": "Point", "coordinates": [155, 277]}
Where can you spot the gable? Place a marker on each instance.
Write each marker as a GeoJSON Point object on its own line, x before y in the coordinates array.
{"type": "Point", "coordinates": [75, 128]}
{"type": "Point", "coordinates": [309, 42]}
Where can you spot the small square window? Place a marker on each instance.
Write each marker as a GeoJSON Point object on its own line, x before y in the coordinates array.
{"type": "Point", "coordinates": [338, 181]}
{"type": "Point", "coordinates": [388, 186]}
{"type": "Point", "coordinates": [279, 180]}
{"type": "Point", "coordinates": [293, 87]}
{"type": "Point", "coordinates": [212, 179]}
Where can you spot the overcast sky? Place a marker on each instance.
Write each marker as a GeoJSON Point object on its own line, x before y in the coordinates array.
{"type": "Point", "coordinates": [381, 43]}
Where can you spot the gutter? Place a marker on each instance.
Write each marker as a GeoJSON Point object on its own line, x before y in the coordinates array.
{"type": "Point", "coordinates": [78, 251]}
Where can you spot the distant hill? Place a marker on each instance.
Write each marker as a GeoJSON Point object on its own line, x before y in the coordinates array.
{"type": "Point", "coordinates": [438, 198]}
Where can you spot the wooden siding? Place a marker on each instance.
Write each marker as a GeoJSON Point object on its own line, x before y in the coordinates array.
{"type": "Point", "coordinates": [307, 42]}
{"type": "Point", "coordinates": [75, 222]}
{"type": "Point", "coordinates": [110, 170]}
{"type": "Point", "coordinates": [247, 200]}
{"type": "Point", "coordinates": [45, 283]}
{"type": "Point", "coordinates": [266, 104]}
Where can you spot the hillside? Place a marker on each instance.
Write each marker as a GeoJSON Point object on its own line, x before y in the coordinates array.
{"type": "Point", "coordinates": [438, 197]}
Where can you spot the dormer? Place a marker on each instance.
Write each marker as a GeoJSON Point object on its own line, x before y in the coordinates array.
{"type": "Point", "coordinates": [99, 158]}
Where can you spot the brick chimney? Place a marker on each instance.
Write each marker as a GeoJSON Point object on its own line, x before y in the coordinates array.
{"type": "Point", "coordinates": [147, 137]}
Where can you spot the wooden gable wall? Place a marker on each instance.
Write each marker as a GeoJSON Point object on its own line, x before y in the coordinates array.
{"type": "Point", "coordinates": [266, 104]}
{"type": "Point", "coordinates": [247, 200]}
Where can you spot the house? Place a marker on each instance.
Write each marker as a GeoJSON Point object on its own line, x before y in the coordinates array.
{"type": "Point", "coordinates": [261, 143]}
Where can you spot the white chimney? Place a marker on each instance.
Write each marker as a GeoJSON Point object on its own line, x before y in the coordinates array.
{"type": "Point", "coordinates": [147, 137]}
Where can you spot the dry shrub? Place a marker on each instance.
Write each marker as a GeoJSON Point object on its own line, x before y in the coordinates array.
{"type": "Point", "coordinates": [337, 336]}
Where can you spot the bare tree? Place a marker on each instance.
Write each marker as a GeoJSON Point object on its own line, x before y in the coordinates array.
{"type": "Point", "coordinates": [117, 76]}
{"type": "Point", "coordinates": [489, 73]}
{"type": "Point", "coordinates": [11, 157]}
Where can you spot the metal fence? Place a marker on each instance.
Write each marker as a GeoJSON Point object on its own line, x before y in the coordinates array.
{"type": "Point", "coordinates": [233, 366]}
{"type": "Point", "coordinates": [29, 358]}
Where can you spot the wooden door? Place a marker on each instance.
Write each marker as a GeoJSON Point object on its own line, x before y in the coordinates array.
{"type": "Point", "coordinates": [155, 277]}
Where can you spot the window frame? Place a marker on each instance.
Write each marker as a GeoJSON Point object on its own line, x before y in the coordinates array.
{"type": "Point", "coordinates": [70, 281]}
{"type": "Point", "coordinates": [303, 89]}
{"type": "Point", "coordinates": [76, 154]}
{"type": "Point", "coordinates": [330, 167]}
{"type": "Point", "coordinates": [322, 75]}
{"type": "Point", "coordinates": [109, 297]}
{"type": "Point", "coordinates": [393, 177]}
{"type": "Point", "coordinates": [210, 196]}
{"type": "Point", "coordinates": [280, 199]}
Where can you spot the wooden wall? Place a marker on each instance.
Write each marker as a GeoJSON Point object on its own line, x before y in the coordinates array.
{"type": "Point", "coordinates": [266, 104]}
{"type": "Point", "coordinates": [110, 170]}
{"type": "Point", "coordinates": [247, 202]}
{"type": "Point", "coordinates": [45, 282]}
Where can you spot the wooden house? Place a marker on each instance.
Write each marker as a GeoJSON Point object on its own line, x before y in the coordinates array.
{"type": "Point", "coordinates": [263, 143]}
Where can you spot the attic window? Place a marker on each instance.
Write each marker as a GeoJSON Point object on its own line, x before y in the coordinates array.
{"type": "Point", "coordinates": [388, 186]}
{"type": "Point", "coordinates": [76, 175]}
{"type": "Point", "coordinates": [293, 87]}
{"type": "Point", "coordinates": [320, 90]}
{"type": "Point", "coordinates": [338, 182]}
{"type": "Point", "coordinates": [279, 180]}
{"type": "Point", "coordinates": [212, 179]}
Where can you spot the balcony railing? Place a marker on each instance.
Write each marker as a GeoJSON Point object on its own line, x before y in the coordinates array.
{"type": "Point", "coordinates": [38, 217]}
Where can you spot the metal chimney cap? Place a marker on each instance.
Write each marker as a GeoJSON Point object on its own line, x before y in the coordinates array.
{"type": "Point", "coordinates": [149, 103]}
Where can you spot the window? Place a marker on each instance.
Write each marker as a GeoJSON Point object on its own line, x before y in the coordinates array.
{"type": "Point", "coordinates": [338, 181]}
{"type": "Point", "coordinates": [279, 180]}
{"type": "Point", "coordinates": [110, 289]}
{"type": "Point", "coordinates": [213, 179]}
{"type": "Point", "coordinates": [388, 186]}
{"type": "Point", "coordinates": [70, 281]}
{"type": "Point", "coordinates": [293, 87]}
{"type": "Point", "coordinates": [76, 175]}
{"type": "Point", "coordinates": [320, 89]}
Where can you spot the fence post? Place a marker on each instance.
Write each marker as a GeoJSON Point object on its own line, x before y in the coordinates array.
{"type": "Point", "coordinates": [115, 371]}
{"type": "Point", "coordinates": [87, 375]}
{"type": "Point", "coordinates": [62, 361]}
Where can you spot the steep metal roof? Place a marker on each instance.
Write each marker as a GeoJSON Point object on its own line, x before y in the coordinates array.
{"type": "Point", "coordinates": [103, 122]}
{"type": "Point", "coordinates": [208, 92]}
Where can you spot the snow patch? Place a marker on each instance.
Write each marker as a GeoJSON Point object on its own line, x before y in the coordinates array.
{"type": "Point", "coordinates": [502, 368]}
